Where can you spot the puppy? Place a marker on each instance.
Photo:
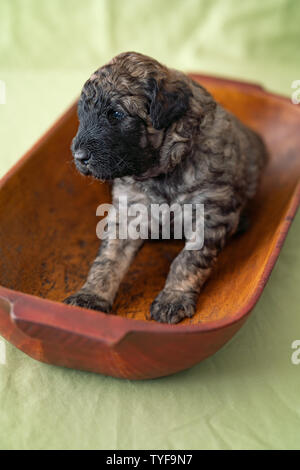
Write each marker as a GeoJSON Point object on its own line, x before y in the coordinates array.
{"type": "Point", "coordinates": [162, 138]}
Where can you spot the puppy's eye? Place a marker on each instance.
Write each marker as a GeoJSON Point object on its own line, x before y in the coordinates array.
{"type": "Point", "coordinates": [116, 115]}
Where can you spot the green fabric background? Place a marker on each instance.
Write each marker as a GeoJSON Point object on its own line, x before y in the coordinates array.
{"type": "Point", "coordinates": [246, 395]}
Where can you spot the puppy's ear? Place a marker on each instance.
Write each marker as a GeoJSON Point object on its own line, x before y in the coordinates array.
{"type": "Point", "coordinates": [169, 100]}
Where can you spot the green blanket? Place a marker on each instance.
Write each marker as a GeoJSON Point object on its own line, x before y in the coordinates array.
{"type": "Point", "coordinates": [246, 395]}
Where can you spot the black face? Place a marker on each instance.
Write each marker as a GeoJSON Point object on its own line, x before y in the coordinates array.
{"type": "Point", "coordinates": [108, 141]}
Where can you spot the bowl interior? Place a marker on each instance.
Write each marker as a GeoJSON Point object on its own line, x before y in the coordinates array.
{"type": "Point", "coordinates": [48, 218]}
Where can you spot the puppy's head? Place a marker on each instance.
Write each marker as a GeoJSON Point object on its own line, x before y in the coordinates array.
{"type": "Point", "coordinates": [124, 110]}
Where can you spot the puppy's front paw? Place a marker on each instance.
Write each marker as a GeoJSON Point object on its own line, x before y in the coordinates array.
{"type": "Point", "coordinates": [88, 300]}
{"type": "Point", "coordinates": [172, 306]}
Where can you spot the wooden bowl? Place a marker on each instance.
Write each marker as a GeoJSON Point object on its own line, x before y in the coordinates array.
{"type": "Point", "coordinates": [48, 239]}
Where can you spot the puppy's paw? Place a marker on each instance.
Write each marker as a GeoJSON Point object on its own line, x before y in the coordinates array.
{"type": "Point", "coordinates": [88, 300]}
{"type": "Point", "coordinates": [171, 306]}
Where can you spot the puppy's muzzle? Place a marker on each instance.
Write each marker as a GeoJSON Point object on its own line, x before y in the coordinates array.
{"type": "Point", "coordinates": [82, 160]}
{"type": "Point", "coordinates": [81, 157]}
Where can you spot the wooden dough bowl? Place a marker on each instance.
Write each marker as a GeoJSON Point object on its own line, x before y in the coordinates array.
{"type": "Point", "coordinates": [48, 240]}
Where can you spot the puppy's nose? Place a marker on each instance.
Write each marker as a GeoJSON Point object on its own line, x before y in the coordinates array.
{"type": "Point", "coordinates": [81, 156]}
